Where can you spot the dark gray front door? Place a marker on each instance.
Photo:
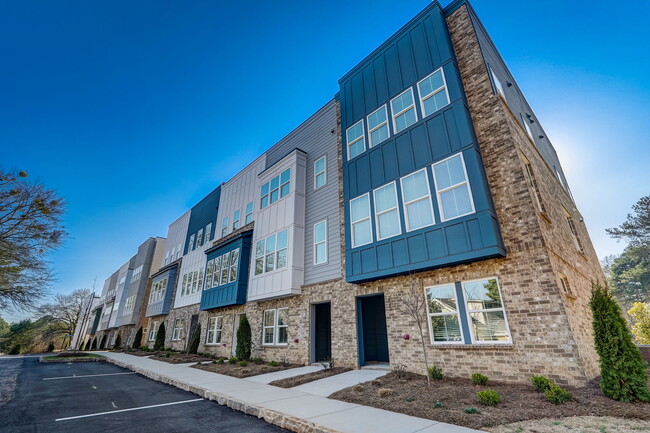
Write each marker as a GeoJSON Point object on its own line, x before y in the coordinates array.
{"type": "Point", "coordinates": [373, 332]}
{"type": "Point", "coordinates": [322, 332]}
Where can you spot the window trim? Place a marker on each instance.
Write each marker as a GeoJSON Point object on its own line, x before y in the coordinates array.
{"type": "Point", "coordinates": [457, 313]}
{"type": "Point", "coordinates": [214, 331]}
{"type": "Point", "coordinates": [224, 226]}
{"type": "Point", "coordinates": [252, 207]}
{"type": "Point", "coordinates": [276, 327]}
{"type": "Point", "coordinates": [395, 115]}
{"type": "Point", "coordinates": [444, 88]}
{"type": "Point", "coordinates": [405, 203]}
{"type": "Point", "coordinates": [574, 231]}
{"type": "Point", "coordinates": [179, 329]}
{"type": "Point", "coordinates": [324, 241]}
{"type": "Point", "coordinates": [395, 208]}
{"type": "Point", "coordinates": [323, 172]}
{"type": "Point", "coordinates": [153, 331]}
{"type": "Point", "coordinates": [443, 218]}
{"type": "Point", "coordinates": [352, 223]}
{"type": "Point", "coordinates": [469, 317]}
{"type": "Point", "coordinates": [274, 253]}
{"type": "Point", "coordinates": [208, 232]}
{"type": "Point", "coordinates": [529, 131]}
{"type": "Point", "coordinates": [361, 137]}
{"type": "Point", "coordinates": [496, 82]}
{"type": "Point", "coordinates": [236, 218]}
{"type": "Point", "coordinates": [370, 131]}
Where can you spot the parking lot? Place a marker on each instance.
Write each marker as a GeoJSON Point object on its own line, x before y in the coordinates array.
{"type": "Point", "coordinates": [101, 397]}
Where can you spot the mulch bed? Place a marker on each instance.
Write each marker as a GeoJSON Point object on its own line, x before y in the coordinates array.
{"type": "Point", "coordinates": [236, 370]}
{"type": "Point", "coordinates": [72, 357]}
{"type": "Point", "coordinates": [290, 382]}
{"type": "Point", "coordinates": [139, 352]}
{"type": "Point", "coordinates": [520, 402]}
{"type": "Point", "coordinates": [179, 358]}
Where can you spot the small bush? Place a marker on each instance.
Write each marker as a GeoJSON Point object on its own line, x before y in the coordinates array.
{"type": "Point", "coordinates": [399, 370]}
{"type": "Point", "coordinates": [557, 395]}
{"type": "Point", "coordinates": [258, 360]}
{"type": "Point", "coordinates": [471, 410]}
{"type": "Point", "coordinates": [358, 388]}
{"type": "Point", "coordinates": [232, 360]}
{"type": "Point", "coordinates": [137, 340]}
{"type": "Point", "coordinates": [243, 363]}
{"type": "Point", "coordinates": [541, 383]}
{"type": "Point", "coordinates": [435, 372]}
{"type": "Point", "coordinates": [273, 364]}
{"type": "Point", "coordinates": [479, 379]}
{"type": "Point", "coordinates": [489, 397]}
{"type": "Point", "coordinates": [219, 361]}
{"type": "Point", "coordinates": [376, 382]}
{"type": "Point", "coordinates": [385, 392]}
{"type": "Point", "coordinates": [438, 404]}
{"type": "Point", "coordinates": [118, 343]}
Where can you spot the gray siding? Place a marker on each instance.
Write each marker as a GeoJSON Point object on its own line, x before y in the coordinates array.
{"type": "Point", "coordinates": [143, 257]}
{"type": "Point", "coordinates": [162, 306]}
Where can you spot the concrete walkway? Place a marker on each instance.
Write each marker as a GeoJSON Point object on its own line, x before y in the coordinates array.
{"type": "Point", "coordinates": [329, 385]}
{"type": "Point", "coordinates": [285, 374]}
{"type": "Point", "coordinates": [292, 409]}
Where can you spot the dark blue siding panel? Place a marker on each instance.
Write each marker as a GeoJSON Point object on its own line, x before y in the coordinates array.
{"type": "Point", "coordinates": [356, 263]}
{"type": "Point", "coordinates": [392, 72]}
{"type": "Point", "coordinates": [358, 101]}
{"type": "Point", "coordinates": [369, 87]}
{"type": "Point", "coordinates": [381, 82]}
{"type": "Point", "coordinates": [390, 159]}
{"type": "Point", "coordinates": [347, 117]}
{"type": "Point", "coordinates": [456, 238]}
{"type": "Point", "coordinates": [452, 130]}
{"type": "Point", "coordinates": [430, 33]}
{"type": "Point", "coordinates": [474, 232]}
{"type": "Point", "coordinates": [442, 36]}
{"type": "Point", "coordinates": [436, 246]}
{"type": "Point", "coordinates": [400, 252]}
{"type": "Point", "coordinates": [423, 64]}
{"type": "Point", "coordinates": [368, 260]}
{"type": "Point", "coordinates": [417, 248]}
{"type": "Point", "coordinates": [363, 172]}
{"type": "Point", "coordinates": [438, 138]}
{"type": "Point", "coordinates": [406, 61]}
{"type": "Point", "coordinates": [384, 256]}
{"type": "Point", "coordinates": [202, 214]}
{"type": "Point", "coordinates": [377, 176]}
{"type": "Point", "coordinates": [404, 154]}
{"type": "Point", "coordinates": [351, 185]}
{"type": "Point", "coordinates": [420, 146]}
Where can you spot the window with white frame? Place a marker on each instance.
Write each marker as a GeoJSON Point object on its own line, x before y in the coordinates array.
{"type": "Point", "coordinates": [178, 251]}
{"type": "Point", "coordinates": [403, 108]}
{"type": "Point", "coordinates": [433, 93]}
{"type": "Point", "coordinates": [452, 187]}
{"type": "Point", "coordinates": [378, 130]}
{"type": "Point", "coordinates": [530, 176]}
{"type": "Point", "coordinates": [224, 227]}
{"type": "Point", "coordinates": [137, 272]}
{"type": "Point", "coordinates": [320, 175]}
{"type": "Point", "coordinates": [361, 232]}
{"type": "Point", "coordinates": [387, 219]}
{"type": "Point", "coordinates": [173, 255]}
{"type": "Point", "coordinates": [166, 257]}
{"type": "Point", "coordinates": [526, 123]}
{"type": "Point", "coordinates": [487, 317]}
{"type": "Point", "coordinates": [184, 285]}
{"type": "Point", "coordinates": [497, 84]}
{"type": "Point", "coordinates": [234, 265]}
{"type": "Point", "coordinates": [277, 188]}
{"type": "Point", "coordinates": [264, 195]}
{"type": "Point", "coordinates": [153, 331]}
{"type": "Point", "coordinates": [177, 334]}
{"type": "Point", "coordinates": [249, 214]}
{"type": "Point", "coordinates": [275, 327]}
{"type": "Point", "coordinates": [199, 238]}
{"type": "Point", "coordinates": [158, 291]}
{"type": "Point", "coordinates": [320, 243]}
{"type": "Point", "coordinates": [215, 327]}
{"type": "Point", "coordinates": [208, 232]}
{"type": "Point", "coordinates": [129, 304]}
{"type": "Point", "coordinates": [209, 271]}
{"type": "Point", "coordinates": [356, 140]}
{"type": "Point", "coordinates": [416, 195]}
{"type": "Point", "coordinates": [271, 253]}
{"type": "Point", "coordinates": [444, 318]}
{"type": "Point", "coordinates": [235, 219]}
{"type": "Point", "coordinates": [285, 183]}
{"type": "Point", "coordinates": [190, 246]}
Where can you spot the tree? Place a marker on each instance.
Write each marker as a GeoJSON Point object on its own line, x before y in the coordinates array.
{"type": "Point", "coordinates": [4, 327]}
{"type": "Point", "coordinates": [415, 305]}
{"type": "Point", "coordinates": [195, 339]}
{"type": "Point", "coordinates": [137, 340]}
{"type": "Point", "coordinates": [640, 312]}
{"type": "Point", "coordinates": [93, 346]}
{"type": "Point", "coordinates": [32, 336]}
{"type": "Point", "coordinates": [622, 368]}
{"type": "Point", "coordinates": [636, 228]}
{"type": "Point", "coordinates": [67, 309]}
{"type": "Point", "coordinates": [243, 349]}
{"type": "Point", "coordinates": [30, 227]}
{"type": "Point", "coordinates": [102, 345]}
{"type": "Point", "coordinates": [159, 344]}
{"type": "Point", "coordinates": [118, 342]}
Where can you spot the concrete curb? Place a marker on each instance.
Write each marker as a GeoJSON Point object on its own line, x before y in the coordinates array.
{"type": "Point", "coordinates": [65, 361]}
{"type": "Point", "coordinates": [280, 419]}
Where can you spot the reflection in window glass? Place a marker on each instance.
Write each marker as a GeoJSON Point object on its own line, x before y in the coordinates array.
{"type": "Point", "coordinates": [483, 300]}
{"type": "Point", "coordinates": [443, 314]}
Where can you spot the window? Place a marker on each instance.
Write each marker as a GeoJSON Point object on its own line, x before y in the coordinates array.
{"type": "Point", "coordinates": [129, 305]}
{"type": "Point", "coordinates": [208, 233]}
{"type": "Point", "coordinates": [320, 176]}
{"type": "Point", "coordinates": [224, 227]}
{"type": "Point", "coordinates": [275, 189]}
{"type": "Point", "coordinates": [320, 242]}
{"type": "Point", "coordinates": [497, 84]}
{"type": "Point", "coordinates": [387, 219]}
{"type": "Point", "coordinates": [190, 246]}
{"type": "Point", "coordinates": [378, 126]}
{"type": "Point", "coordinates": [564, 282]}
{"type": "Point", "coordinates": [215, 326]}
{"type": "Point", "coordinates": [433, 93]}
{"type": "Point", "coordinates": [285, 183]}
{"type": "Point", "coordinates": [199, 238]}
{"type": "Point", "coordinates": [178, 329]}
{"type": "Point", "coordinates": [166, 257]}
{"type": "Point", "coordinates": [356, 140]}
{"type": "Point", "coordinates": [235, 219]}
{"type": "Point", "coordinates": [184, 286]}
{"type": "Point", "coordinates": [137, 273]}
{"type": "Point", "coordinates": [274, 327]}
{"type": "Point", "coordinates": [216, 271]}
{"type": "Point", "coordinates": [209, 270]}
{"type": "Point", "coordinates": [173, 256]}
{"type": "Point", "coordinates": [418, 211]}
{"type": "Point", "coordinates": [178, 251]}
{"type": "Point", "coordinates": [249, 214]}
{"type": "Point", "coordinates": [527, 127]}
{"type": "Point", "coordinates": [574, 231]}
{"type": "Point", "coordinates": [264, 196]}
{"type": "Point", "coordinates": [153, 331]}
{"type": "Point", "coordinates": [403, 109]}
{"type": "Point", "coordinates": [158, 291]}
{"type": "Point", "coordinates": [234, 265]}
{"type": "Point", "coordinates": [485, 312]}
{"type": "Point", "coordinates": [360, 220]}
{"type": "Point", "coordinates": [530, 177]}
{"type": "Point", "coordinates": [271, 253]}
{"type": "Point", "coordinates": [452, 188]}
{"type": "Point", "coordinates": [444, 319]}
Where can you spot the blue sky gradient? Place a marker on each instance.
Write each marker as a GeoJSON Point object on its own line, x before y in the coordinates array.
{"type": "Point", "coordinates": [133, 111]}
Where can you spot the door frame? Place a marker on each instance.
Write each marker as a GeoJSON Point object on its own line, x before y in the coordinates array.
{"type": "Point", "coordinates": [312, 328]}
{"type": "Point", "coordinates": [360, 345]}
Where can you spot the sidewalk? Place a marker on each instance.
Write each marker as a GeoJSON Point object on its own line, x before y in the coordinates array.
{"type": "Point", "coordinates": [292, 409]}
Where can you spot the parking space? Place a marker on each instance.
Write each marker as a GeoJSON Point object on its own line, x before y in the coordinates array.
{"type": "Point", "coordinates": [102, 397]}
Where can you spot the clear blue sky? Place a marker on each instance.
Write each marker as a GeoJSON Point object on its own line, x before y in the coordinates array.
{"type": "Point", "coordinates": [133, 111]}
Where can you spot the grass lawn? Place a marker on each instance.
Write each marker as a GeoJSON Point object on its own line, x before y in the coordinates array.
{"type": "Point", "coordinates": [72, 357]}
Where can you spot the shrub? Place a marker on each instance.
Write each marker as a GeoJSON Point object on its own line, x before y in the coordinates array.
{"type": "Point", "coordinates": [435, 372]}
{"type": "Point", "coordinates": [160, 338]}
{"type": "Point", "coordinates": [557, 395]}
{"type": "Point", "coordinates": [399, 370]}
{"type": "Point", "coordinates": [93, 345]}
{"type": "Point", "coordinates": [376, 382]}
{"type": "Point", "coordinates": [243, 350]}
{"type": "Point", "coordinates": [541, 383]}
{"type": "Point", "coordinates": [118, 342]}
{"type": "Point", "coordinates": [489, 397]}
{"type": "Point", "coordinates": [385, 392]}
{"type": "Point", "coordinates": [50, 347]}
{"type": "Point", "coordinates": [471, 410]}
{"type": "Point", "coordinates": [622, 368]}
{"type": "Point", "coordinates": [15, 350]}
{"type": "Point", "coordinates": [257, 360]}
{"type": "Point", "coordinates": [195, 339]}
{"type": "Point", "coordinates": [438, 404]}
{"type": "Point", "coordinates": [83, 346]}
{"type": "Point", "coordinates": [137, 340]}
{"type": "Point", "coordinates": [358, 388]}
{"type": "Point", "coordinates": [479, 379]}
{"type": "Point", "coordinates": [219, 361]}
{"type": "Point", "coordinates": [232, 360]}
{"type": "Point", "coordinates": [273, 364]}
{"type": "Point", "coordinates": [243, 363]}
{"type": "Point", "coordinates": [103, 343]}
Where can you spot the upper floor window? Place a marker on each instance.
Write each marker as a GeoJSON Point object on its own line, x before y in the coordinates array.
{"type": "Point", "coordinates": [137, 273]}
{"type": "Point", "coordinates": [527, 127]}
{"type": "Point", "coordinates": [208, 232]}
{"type": "Point", "coordinates": [190, 246]}
{"type": "Point", "coordinates": [530, 176]}
{"type": "Point", "coordinates": [433, 93]}
{"type": "Point", "coordinates": [222, 270]}
{"type": "Point", "coordinates": [574, 231]}
{"type": "Point", "coordinates": [320, 242]}
{"type": "Point", "coordinates": [249, 214]}
{"type": "Point", "coordinates": [403, 108]}
{"type": "Point", "coordinates": [356, 139]}
{"type": "Point", "coordinates": [199, 238]}
{"type": "Point", "coordinates": [158, 291]}
{"type": "Point", "coordinates": [452, 187]}
{"type": "Point", "coordinates": [378, 126]}
{"type": "Point", "coordinates": [361, 232]}
{"type": "Point", "coordinates": [418, 210]}
{"type": "Point", "coordinates": [320, 175]}
{"type": "Point", "coordinates": [178, 251]}
{"type": "Point", "coordinates": [129, 305]}
{"type": "Point", "coordinates": [386, 211]}
{"type": "Point", "coordinates": [485, 311]}
{"type": "Point", "coordinates": [279, 187]}
{"type": "Point", "coordinates": [224, 227]}
{"type": "Point", "coordinates": [235, 219]}
{"type": "Point", "coordinates": [271, 253]}
{"type": "Point", "coordinates": [166, 257]}
{"type": "Point", "coordinates": [497, 84]}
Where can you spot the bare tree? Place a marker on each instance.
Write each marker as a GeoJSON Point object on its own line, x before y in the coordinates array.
{"type": "Point", "coordinates": [414, 304]}
{"type": "Point", "coordinates": [30, 226]}
{"type": "Point", "coordinates": [66, 309]}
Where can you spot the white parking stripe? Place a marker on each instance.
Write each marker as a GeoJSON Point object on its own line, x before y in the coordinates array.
{"type": "Point", "coordinates": [86, 375]}
{"type": "Point", "coordinates": [127, 410]}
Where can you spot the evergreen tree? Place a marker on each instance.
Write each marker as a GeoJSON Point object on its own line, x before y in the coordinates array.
{"type": "Point", "coordinates": [243, 350]}
{"type": "Point", "coordinates": [623, 369]}
{"type": "Point", "coordinates": [118, 342]}
{"type": "Point", "coordinates": [195, 339]}
{"type": "Point", "coordinates": [137, 340]}
{"type": "Point", "coordinates": [159, 344]}
{"type": "Point", "coordinates": [83, 346]}
{"type": "Point", "coordinates": [103, 343]}
{"type": "Point", "coordinates": [93, 345]}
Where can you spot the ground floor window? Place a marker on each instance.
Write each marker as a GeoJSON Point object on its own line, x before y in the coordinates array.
{"type": "Point", "coordinates": [215, 326]}
{"type": "Point", "coordinates": [153, 331]}
{"type": "Point", "coordinates": [178, 329]}
{"type": "Point", "coordinates": [275, 328]}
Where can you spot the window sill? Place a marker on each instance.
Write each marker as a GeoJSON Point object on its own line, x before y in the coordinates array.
{"type": "Point", "coordinates": [213, 344]}
{"type": "Point", "coordinates": [545, 218]}
{"type": "Point", "coordinates": [275, 345]}
{"type": "Point", "coordinates": [479, 346]}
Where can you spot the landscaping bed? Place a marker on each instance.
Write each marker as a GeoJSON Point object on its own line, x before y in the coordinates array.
{"type": "Point", "coordinates": [241, 371]}
{"type": "Point", "coordinates": [290, 382]}
{"type": "Point", "coordinates": [72, 357]}
{"type": "Point", "coordinates": [179, 358]}
{"type": "Point", "coordinates": [138, 352]}
{"type": "Point", "coordinates": [411, 395]}
{"type": "Point", "coordinates": [581, 424]}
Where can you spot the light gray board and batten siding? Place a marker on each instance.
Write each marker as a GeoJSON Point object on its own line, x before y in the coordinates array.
{"type": "Point", "coordinates": [315, 138]}
{"type": "Point", "coordinates": [144, 257]}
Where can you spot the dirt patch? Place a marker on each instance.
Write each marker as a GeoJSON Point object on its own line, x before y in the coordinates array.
{"type": "Point", "coordinates": [236, 370]}
{"type": "Point", "coordinates": [520, 402]}
{"type": "Point", "coordinates": [179, 358]}
{"type": "Point", "coordinates": [583, 424]}
{"type": "Point", "coordinates": [290, 382]}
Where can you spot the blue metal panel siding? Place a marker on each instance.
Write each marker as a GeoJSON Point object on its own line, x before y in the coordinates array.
{"type": "Point", "coordinates": [202, 214]}
{"type": "Point", "coordinates": [412, 54]}
{"type": "Point", "coordinates": [235, 292]}
{"type": "Point", "coordinates": [162, 306]}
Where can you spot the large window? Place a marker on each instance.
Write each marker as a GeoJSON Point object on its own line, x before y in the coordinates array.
{"type": "Point", "coordinates": [277, 188]}
{"type": "Point", "coordinates": [208, 232]}
{"type": "Point", "coordinates": [129, 304]}
{"type": "Point", "coordinates": [235, 219]}
{"type": "Point", "coordinates": [378, 130]}
{"type": "Point", "coordinates": [532, 181]}
{"type": "Point", "coordinates": [275, 327]}
{"type": "Point", "coordinates": [452, 188]}
{"type": "Point", "coordinates": [158, 291]}
{"type": "Point", "coordinates": [487, 317]}
{"type": "Point", "coordinates": [215, 327]}
{"type": "Point", "coordinates": [271, 253]}
{"type": "Point", "coordinates": [320, 175]}
{"type": "Point", "coordinates": [418, 210]}
{"type": "Point", "coordinates": [356, 139]}
{"type": "Point", "coordinates": [224, 227]}
{"type": "Point", "coordinates": [433, 93]}
{"type": "Point", "coordinates": [153, 331]}
{"type": "Point", "coordinates": [360, 220]}
{"type": "Point", "coordinates": [178, 329]}
{"type": "Point", "coordinates": [249, 214]}
{"type": "Point", "coordinates": [190, 246]}
{"type": "Point", "coordinates": [320, 242]}
{"type": "Point", "coordinates": [497, 84]}
{"type": "Point", "coordinates": [444, 319]}
{"type": "Point", "coordinates": [199, 238]}
{"type": "Point", "coordinates": [387, 218]}
{"type": "Point", "coordinates": [403, 108]}
{"type": "Point", "coordinates": [222, 269]}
